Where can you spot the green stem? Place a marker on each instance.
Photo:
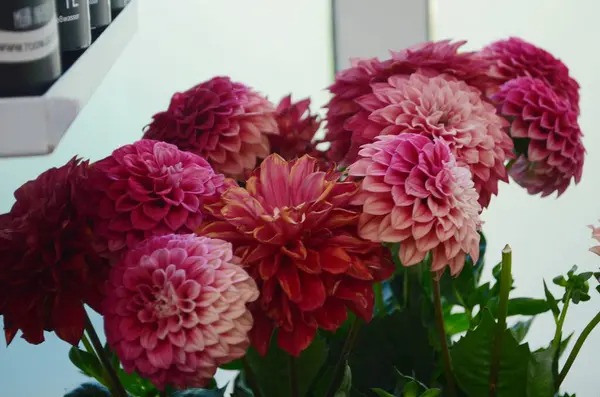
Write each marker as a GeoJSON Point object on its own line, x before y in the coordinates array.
{"type": "Point", "coordinates": [293, 377]}
{"type": "Point", "coordinates": [379, 303]}
{"type": "Point", "coordinates": [505, 285]}
{"type": "Point", "coordinates": [561, 320]}
{"type": "Point", "coordinates": [439, 322]}
{"type": "Point", "coordinates": [340, 366]}
{"type": "Point", "coordinates": [119, 391]}
{"type": "Point", "coordinates": [580, 341]}
{"type": "Point", "coordinates": [87, 344]}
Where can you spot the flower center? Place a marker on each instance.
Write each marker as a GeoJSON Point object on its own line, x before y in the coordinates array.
{"type": "Point", "coordinates": [166, 302]}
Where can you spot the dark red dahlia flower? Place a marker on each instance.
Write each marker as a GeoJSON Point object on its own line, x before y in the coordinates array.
{"type": "Point", "coordinates": [295, 230]}
{"type": "Point", "coordinates": [150, 188]}
{"type": "Point", "coordinates": [515, 57]}
{"type": "Point", "coordinates": [48, 266]}
{"type": "Point", "coordinates": [429, 58]}
{"type": "Point", "coordinates": [225, 122]}
{"type": "Point", "coordinates": [297, 128]}
{"type": "Point", "coordinates": [547, 137]}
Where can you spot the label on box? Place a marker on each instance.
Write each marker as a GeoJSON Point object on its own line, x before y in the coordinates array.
{"type": "Point", "coordinates": [28, 45]}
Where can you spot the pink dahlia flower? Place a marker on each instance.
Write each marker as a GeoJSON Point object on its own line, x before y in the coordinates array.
{"type": "Point", "coordinates": [151, 188]}
{"type": "Point", "coordinates": [515, 57]}
{"type": "Point", "coordinates": [439, 107]}
{"type": "Point", "coordinates": [297, 128]}
{"type": "Point", "coordinates": [596, 236]}
{"type": "Point", "coordinates": [176, 309]}
{"type": "Point", "coordinates": [296, 233]}
{"type": "Point", "coordinates": [415, 193]}
{"type": "Point", "coordinates": [225, 122]}
{"type": "Point", "coordinates": [547, 137]}
{"type": "Point", "coordinates": [350, 84]}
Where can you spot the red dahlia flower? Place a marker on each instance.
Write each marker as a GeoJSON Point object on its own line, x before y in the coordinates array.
{"type": "Point", "coordinates": [151, 188]}
{"type": "Point", "coordinates": [297, 128]}
{"type": "Point", "coordinates": [415, 193]}
{"type": "Point", "coordinates": [431, 58]}
{"type": "Point", "coordinates": [48, 267]}
{"type": "Point", "coordinates": [295, 231]}
{"type": "Point", "coordinates": [515, 57]}
{"type": "Point", "coordinates": [439, 107]}
{"type": "Point", "coordinates": [547, 137]}
{"type": "Point", "coordinates": [175, 309]}
{"type": "Point", "coordinates": [225, 122]}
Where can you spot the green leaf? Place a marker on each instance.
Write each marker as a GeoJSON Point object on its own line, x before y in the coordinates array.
{"type": "Point", "coordinates": [344, 390]}
{"type": "Point", "coordinates": [432, 393]}
{"type": "Point", "coordinates": [398, 341]}
{"type": "Point", "coordinates": [527, 306]}
{"type": "Point", "coordinates": [521, 329]}
{"type": "Point", "coordinates": [272, 371]}
{"type": "Point", "coordinates": [200, 393]}
{"type": "Point", "coordinates": [382, 393]}
{"type": "Point", "coordinates": [89, 390]}
{"type": "Point", "coordinates": [240, 386]}
{"type": "Point", "coordinates": [137, 385]}
{"type": "Point", "coordinates": [87, 363]}
{"type": "Point", "coordinates": [564, 343]}
{"type": "Point", "coordinates": [472, 354]}
{"type": "Point", "coordinates": [456, 323]}
{"type": "Point", "coordinates": [540, 379]}
{"type": "Point", "coordinates": [411, 390]}
{"type": "Point", "coordinates": [551, 301]}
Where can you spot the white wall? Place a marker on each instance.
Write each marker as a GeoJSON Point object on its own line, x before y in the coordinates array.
{"type": "Point", "coordinates": [276, 46]}
{"type": "Point", "coordinates": [547, 235]}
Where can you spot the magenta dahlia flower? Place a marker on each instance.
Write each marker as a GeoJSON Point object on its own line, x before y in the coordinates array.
{"type": "Point", "coordinates": [175, 309]}
{"type": "Point", "coordinates": [295, 231]}
{"type": "Point", "coordinates": [225, 122]}
{"type": "Point", "coordinates": [414, 192]}
{"type": "Point", "coordinates": [48, 265]}
{"type": "Point", "coordinates": [297, 128]}
{"type": "Point", "coordinates": [547, 137]}
{"type": "Point", "coordinates": [431, 58]}
{"type": "Point", "coordinates": [515, 57]}
{"type": "Point", "coordinates": [151, 188]}
{"type": "Point", "coordinates": [439, 107]}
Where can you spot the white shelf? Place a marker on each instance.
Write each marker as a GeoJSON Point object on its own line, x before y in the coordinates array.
{"type": "Point", "coordinates": [35, 125]}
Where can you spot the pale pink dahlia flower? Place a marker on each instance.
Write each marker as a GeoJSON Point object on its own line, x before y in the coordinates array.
{"type": "Point", "coordinates": [547, 137]}
{"type": "Point", "coordinates": [439, 107]}
{"type": "Point", "coordinates": [415, 193]}
{"type": "Point", "coordinates": [223, 121]}
{"type": "Point", "coordinates": [176, 309]}
{"type": "Point", "coordinates": [150, 188]}
{"type": "Point", "coordinates": [515, 57]}
{"type": "Point", "coordinates": [431, 57]}
{"type": "Point", "coordinates": [596, 236]}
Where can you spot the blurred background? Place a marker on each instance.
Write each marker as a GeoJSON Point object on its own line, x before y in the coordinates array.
{"type": "Point", "coordinates": [283, 46]}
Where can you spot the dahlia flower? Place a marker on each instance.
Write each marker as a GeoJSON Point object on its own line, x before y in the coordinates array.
{"type": "Point", "coordinates": [297, 128]}
{"type": "Point", "coordinates": [48, 267]}
{"type": "Point", "coordinates": [547, 137]}
{"type": "Point", "coordinates": [439, 107]}
{"type": "Point", "coordinates": [151, 188]}
{"type": "Point", "coordinates": [414, 192]}
{"type": "Point", "coordinates": [596, 236]}
{"type": "Point", "coordinates": [175, 309]}
{"type": "Point", "coordinates": [225, 122]}
{"type": "Point", "coordinates": [295, 231]}
{"type": "Point", "coordinates": [431, 58]}
{"type": "Point", "coordinates": [515, 57]}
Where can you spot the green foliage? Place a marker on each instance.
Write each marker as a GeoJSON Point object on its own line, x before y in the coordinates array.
{"type": "Point", "coordinates": [272, 372]}
{"type": "Point", "coordinates": [200, 393]}
{"type": "Point", "coordinates": [88, 364]}
{"type": "Point", "coordinates": [576, 285]}
{"type": "Point", "coordinates": [520, 329]}
{"type": "Point", "coordinates": [471, 357]}
{"type": "Point", "coordinates": [540, 375]}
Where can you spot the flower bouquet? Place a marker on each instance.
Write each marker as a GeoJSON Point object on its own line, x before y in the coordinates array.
{"type": "Point", "coordinates": [227, 237]}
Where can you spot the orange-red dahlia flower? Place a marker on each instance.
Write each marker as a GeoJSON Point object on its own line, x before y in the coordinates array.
{"type": "Point", "coordinates": [295, 230]}
{"type": "Point", "coordinates": [223, 121]}
{"type": "Point", "coordinates": [48, 267]}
